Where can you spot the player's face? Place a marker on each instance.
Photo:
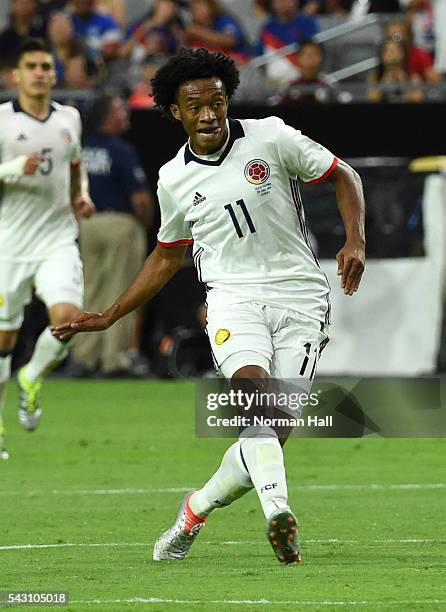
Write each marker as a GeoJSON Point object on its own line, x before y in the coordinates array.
{"type": "Point", "coordinates": [202, 107]}
{"type": "Point", "coordinates": [35, 75]}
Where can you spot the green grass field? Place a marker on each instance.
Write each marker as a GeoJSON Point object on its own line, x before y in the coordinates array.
{"type": "Point", "coordinates": [91, 490]}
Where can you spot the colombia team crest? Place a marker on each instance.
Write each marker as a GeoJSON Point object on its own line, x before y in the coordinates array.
{"type": "Point", "coordinates": [221, 336]}
{"type": "Point", "coordinates": [257, 171]}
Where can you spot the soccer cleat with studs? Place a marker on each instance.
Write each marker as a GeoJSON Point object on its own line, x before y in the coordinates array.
{"type": "Point", "coordinates": [175, 543]}
{"type": "Point", "coordinates": [29, 412]}
{"type": "Point", "coordinates": [281, 531]}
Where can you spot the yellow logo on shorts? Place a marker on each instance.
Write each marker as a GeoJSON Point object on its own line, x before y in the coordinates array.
{"type": "Point", "coordinates": [2, 301]}
{"type": "Point", "coordinates": [221, 336]}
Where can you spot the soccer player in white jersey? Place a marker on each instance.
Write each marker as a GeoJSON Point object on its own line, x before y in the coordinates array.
{"type": "Point", "coordinates": [42, 188]}
{"type": "Point", "coordinates": [232, 191]}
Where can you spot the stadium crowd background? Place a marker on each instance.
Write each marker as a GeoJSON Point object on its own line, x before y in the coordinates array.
{"type": "Point", "coordinates": [371, 50]}
{"type": "Point", "coordinates": [336, 51]}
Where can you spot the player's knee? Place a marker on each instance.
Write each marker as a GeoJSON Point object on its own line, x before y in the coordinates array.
{"type": "Point", "coordinates": [251, 380]}
{"type": "Point", "coordinates": [61, 313]}
{"type": "Point", "coordinates": [250, 372]}
{"type": "Point", "coordinates": [8, 340]}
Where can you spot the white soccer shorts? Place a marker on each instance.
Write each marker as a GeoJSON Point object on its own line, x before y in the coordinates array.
{"type": "Point", "coordinates": [57, 279]}
{"type": "Point", "coordinates": [283, 342]}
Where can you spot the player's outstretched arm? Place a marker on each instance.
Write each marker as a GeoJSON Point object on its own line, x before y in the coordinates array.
{"type": "Point", "coordinates": [157, 270]}
{"type": "Point", "coordinates": [350, 197]}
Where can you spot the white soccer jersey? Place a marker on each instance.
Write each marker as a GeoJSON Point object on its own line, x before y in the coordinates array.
{"type": "Point", "coordinates": [35, 212]}
{"type": "Point", "coordinates": [242, 209]}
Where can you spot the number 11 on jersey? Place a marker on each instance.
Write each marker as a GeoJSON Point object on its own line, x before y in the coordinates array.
{"type": "Point", "coordinates": [234, 219]}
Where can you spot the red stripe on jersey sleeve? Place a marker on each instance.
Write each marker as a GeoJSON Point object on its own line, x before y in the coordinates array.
{"type": "Point", "coordinates": [325, 175]}
{"type": "Point", "coordinates": [177, 243]}
{"type": "Point", "coordinates": [76, 164]}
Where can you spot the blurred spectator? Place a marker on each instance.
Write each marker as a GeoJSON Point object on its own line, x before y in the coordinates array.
{"type": "Point", "coordinates": [46, 7]}
{"type": "Point", "coordinates": [80, 72]}
{"type": "Point", "coordinates": [23, 22]}
{"type": "Point", "coordinates": [310, 57]}
{"type": "Point", "coordinates": [419, 61]}
{"type": "Point", "coordinates": [113, 246]}
{"type": "Point", "coordinates": [393, 76]}
{"type": "Point", "coordinates": [286, 25]}
{"type": "Point", "coordinates": [215, 29]}
{"type": "Point", "coordinates": [419, 15]}
{"type": "Point", "coordinates": [115, 8]}
{"type": "Point", "coordinates": [64, 44]}
{"type": "Point", "coordinates": [141, 96]}
{"type": "Point", "coordinates": [160, 32]}
{"type": "Point", "coordinates": [100, 33]}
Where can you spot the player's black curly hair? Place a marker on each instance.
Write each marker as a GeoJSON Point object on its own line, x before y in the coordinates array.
{"type": "Point", "coordinates": [31, 44]}
{"type": "Point", "coordinates": [188, 65]}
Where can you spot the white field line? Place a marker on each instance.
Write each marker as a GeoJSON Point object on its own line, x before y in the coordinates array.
{"type": "Point", "coordinates": [315, 487]}
{"type": "Point", "coordinates": [227, 543]}
{"type": "Point", "coordinates": [258, 602]}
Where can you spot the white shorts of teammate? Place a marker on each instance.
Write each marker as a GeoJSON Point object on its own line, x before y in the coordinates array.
{"type": "Point", "coordinates": [283, 342]}
{"type": "Point", "coordinates": [57, 279]}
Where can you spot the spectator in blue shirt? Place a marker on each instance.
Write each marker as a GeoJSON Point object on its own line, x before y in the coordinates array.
{"type": "Point", "coordinates": [100, 33]}
{"type": "Point", "coordinates": [60, 33]}
{"type": "Point", "coordinates": [213, 28]}
{"type": "Point", "coordinates": [286, 25]}
{"type": "Point", "coordinates": [114, 246]}
{"type": "Point", "coordinates": [159, 32]}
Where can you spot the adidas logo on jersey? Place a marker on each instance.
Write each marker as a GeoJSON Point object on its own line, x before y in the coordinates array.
{"type": "Point", "coordinates": [198, 198]}
{"type": "Point", "coordinates": [22, 137]}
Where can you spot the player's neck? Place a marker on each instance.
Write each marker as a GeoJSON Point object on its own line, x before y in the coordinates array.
{"type": "Point", "coordinates": [36, 107]}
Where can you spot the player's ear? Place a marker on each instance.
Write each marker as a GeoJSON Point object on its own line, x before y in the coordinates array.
{"type": "Point", "coordinates": [15, 76]}
{"type": "Point", "coordinates": [175, 110]}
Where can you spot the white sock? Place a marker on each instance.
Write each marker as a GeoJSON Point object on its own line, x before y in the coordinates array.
{"type": "Point", "coordinates": [5, 375]}
{"type": "Point", "coordinates": [264, 459]}
{"type": "Point", "coordinates": [230, 482]}
{"type": "Point", "coordinates": [48, 352]}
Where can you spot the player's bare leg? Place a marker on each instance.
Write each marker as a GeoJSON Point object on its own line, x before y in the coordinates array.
{"type": "Point", "coordinates": [48, 352]}
{"type": "Point", "coordinates": [8, 340]}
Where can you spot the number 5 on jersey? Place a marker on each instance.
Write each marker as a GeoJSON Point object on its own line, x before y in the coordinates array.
{"type": "Point", "coordinates": [46, 165]}
{"type": "Point", "coordinates": [234, 219]}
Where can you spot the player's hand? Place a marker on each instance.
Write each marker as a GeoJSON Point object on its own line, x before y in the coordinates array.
{"type": "Point", "coordinates": [84, 322]}
{"type": "Point", "coordinates": [351, 261]}
{"type": "Point", "coordinates": [32, 164]}
{"type": "Point", "coordinates": [83, 206]}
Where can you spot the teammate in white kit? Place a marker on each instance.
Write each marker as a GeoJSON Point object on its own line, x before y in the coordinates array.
{"type": "Point", "coordinates": [42, 188]}
{"type": "Point", "coordinates": [232, 191]}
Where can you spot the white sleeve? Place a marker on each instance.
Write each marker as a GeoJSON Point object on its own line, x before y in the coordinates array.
{"type": "Point", "coordinates": [12, 170]}
{"type": "Point", "coordinates": [302, 157]}
{"type": "Point", "coordinates": [174, 230]}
